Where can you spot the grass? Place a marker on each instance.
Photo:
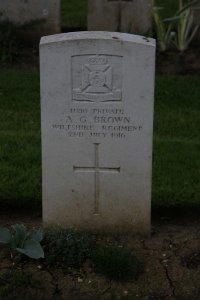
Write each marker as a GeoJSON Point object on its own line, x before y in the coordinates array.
{"type": "Point", "coordinates": [176, 167]}
{"type": "Point", "coordinates": [176, 159]}
{"type": "Point", "coordinates": [116, 263]}
{"type": "Point", "coordinates": [20, 176]}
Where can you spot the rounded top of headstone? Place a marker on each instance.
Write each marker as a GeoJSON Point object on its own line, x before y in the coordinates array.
{"type": "Point", "coordinates": [97, 35]}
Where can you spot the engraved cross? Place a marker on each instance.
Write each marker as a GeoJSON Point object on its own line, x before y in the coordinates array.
{"type": "Point", "coordinates": [96, 169]}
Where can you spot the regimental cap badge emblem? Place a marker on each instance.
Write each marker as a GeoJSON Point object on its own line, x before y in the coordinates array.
{"type": "Point", "coordinates": [98, 79]}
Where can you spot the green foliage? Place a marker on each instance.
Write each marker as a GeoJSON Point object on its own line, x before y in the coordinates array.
{"type": "Point", "coordinates": [116, 263]}
{"type": "Point", "coordinates": [184, 28]}
{"type": "Point", "coordinates": [67, 247]}
{"type": "Point", "coordinates": [163, 30]}
{"type": "Point", "coordinates": [170, 7]}
{"type": "Point", "coordinates": [179, 29]}
{"type": "Point", "coordinates": [23, 241]}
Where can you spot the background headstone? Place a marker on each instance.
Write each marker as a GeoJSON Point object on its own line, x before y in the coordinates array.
{"type": "Point", "coordinates": [39, 18]}
{"type": "Point", "coordinates": [133, 16]}
{"type": "Point", "coordinates": [196, 12]}
{"type": "Point", "coordinates": [97, 125]}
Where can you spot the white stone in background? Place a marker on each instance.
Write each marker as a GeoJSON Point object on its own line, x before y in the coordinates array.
{"type": "Point", "coordinates": [25, 11]}
{"type": "Point", "coordinates": [134, 16]}
{"type": "Point", "coordinates": [97, 95]}
{"type": "Point", "coordinates": [196, 12]}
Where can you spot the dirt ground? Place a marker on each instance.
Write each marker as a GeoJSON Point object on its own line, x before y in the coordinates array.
{"type": "Point", "coordinates": [171, 259]}
{"type": "Point", "coordinates": [177, 63]}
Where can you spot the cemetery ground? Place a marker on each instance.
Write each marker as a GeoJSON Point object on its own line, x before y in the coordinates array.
{"type": "Point", "coordinates": [168, 263]}
{"type": "Point", "coordinates": [170, 259]}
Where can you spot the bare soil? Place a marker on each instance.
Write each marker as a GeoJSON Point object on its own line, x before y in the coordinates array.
{"type": "Point", "coordinates": [171, 258]}
{"type": "Point", "coordinates": [177, 63]}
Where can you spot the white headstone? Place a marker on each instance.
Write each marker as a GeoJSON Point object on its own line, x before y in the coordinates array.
{"type": "Point", "coordinates": [133, 16]}
{"type": "Point", "coordinates": [196, 15]}
{"type": "Point", "coordinates": [41, 17]}
{"type": "Point", "coordinates": [97, 95]}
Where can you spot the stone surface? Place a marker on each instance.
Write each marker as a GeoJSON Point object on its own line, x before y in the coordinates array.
{"type": "Point", "coordinates": [196, 12]}
{"type": "Point", "coordinates": [134, 16]}
{"type": "Point", "coordinates": [97, 122]}
{"type": "Point", "coordinates": [44, 15]}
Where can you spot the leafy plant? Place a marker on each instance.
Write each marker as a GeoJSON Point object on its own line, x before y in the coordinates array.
{"type": "Point", "coordinates": [179, 30]}
{"type": "Point", "coordinates": [67, 247]}
{"type": "Point", "coordinates": [23, 241]}
{"type": "Point", "coordinates": [184, 25]}
{"type": "Point", "coordinates": [116, 263]}
{"type": "Point", "coordinates": [163, 29]}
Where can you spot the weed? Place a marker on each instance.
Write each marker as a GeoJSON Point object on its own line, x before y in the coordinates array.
{"type": "Point", "coordinates": [116, 263]}
{"type": "Point", "coordinates": [67, 247]}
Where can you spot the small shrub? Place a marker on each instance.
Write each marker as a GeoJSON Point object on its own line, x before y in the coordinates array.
{"type": "Point", "coordinates": [67, 247]}
{"type": "Point", "coordinates": [116, 263]}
